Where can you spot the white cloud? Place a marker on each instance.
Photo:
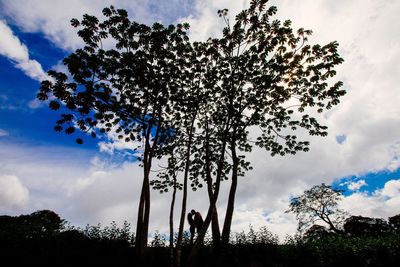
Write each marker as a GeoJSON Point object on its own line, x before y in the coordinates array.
{"type": "Point", "coordinates": [12, 48]}
{"type": "Point", "coordinates": [13, 194]}
{"type": "Point", "coordinates": [382, 203]}
{"type": "Point", "coordinates": [49, 17]}
{"type": "Point", "coordinates": [33, 69]}
{"type": "Point", "coordinates": [52, 18]}
{"type": "Point", "coordinates": [354, 186]}
{"type": "Point", "coordinates": [391, 189]}
{"type": "Point", "coordinates": [3, 132]}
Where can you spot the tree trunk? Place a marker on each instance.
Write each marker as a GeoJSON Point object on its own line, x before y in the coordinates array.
{"type": "Point", "coordinates": [181, 223]}
{"type": "Point", "coordinates": [139, 225]}
{"type": "Point", "coordinates": [142, 229]}
{"type": "Point", "coordinates": [171, 225]}
{"type": "Point", "coordinates": [211, 209]}
{"type": "Point", "coordinates": [216, 234]}
{"type": "Point", "coordinates": [231, 200]}
{"type": "Point", "coordinates": [142, 226]}
{"type": "Point", "coordinates": [200, 237]}
{"type": "Point", "coordinates": [146, 217]}
{"type": "Point", "coordinates": [184, 197]}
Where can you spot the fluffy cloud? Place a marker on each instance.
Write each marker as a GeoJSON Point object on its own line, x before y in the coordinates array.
{"type": "Point", "coordinates": [12, 48]}
{"type": "Point", "coordinates": [49, 17]}
{"type": "Point", "coordinates": [13, 194]}
{"type": "Point", "coordinates": [382, 203]}
{"type": "Point", "coordinates": [52, 18]}
{"type": "Point", "coordinates": [391, 189]}
{"type": "Point", "coordinates": [354, 186]}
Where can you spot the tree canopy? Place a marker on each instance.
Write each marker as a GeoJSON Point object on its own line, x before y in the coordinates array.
{"type": "Point", "coordinates": [318, 204]}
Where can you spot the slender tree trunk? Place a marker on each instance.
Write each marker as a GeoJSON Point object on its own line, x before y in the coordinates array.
{"type": "Point", "coordinates": [142, 229]}
{"type": "Point", "coordinates": [146, 217]}
{"type": "Point", "coordinates": [143, 211]}
{"type": "Point", "coordinates": [331, 225]}
{"type": "Point", "coordinates": [139, 224]}
{"type": "Point", "coordinates": [216, 234]}
{"type": "Point", "coordinates": [181, 224]}
{"type": "Point", "coordinates": [171, 225]}
{"type": "Point", "coordinates": [231, 200]}
{"type": "Point", "coordinates": [200, 237]}
{"type": "Point", "coordinates": [184, 197]}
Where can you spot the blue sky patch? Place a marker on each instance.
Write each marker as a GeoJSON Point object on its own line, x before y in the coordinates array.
{"type": "Point", "coordinates": [373, 180]}
{"type": "Point", "coordinates": [340, 139]}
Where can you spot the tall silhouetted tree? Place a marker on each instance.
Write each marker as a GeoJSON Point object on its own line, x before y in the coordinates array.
{"type": "Point", "coordinates": [267, 76]}
{"type": "Point", "coordinates": [126, 89]}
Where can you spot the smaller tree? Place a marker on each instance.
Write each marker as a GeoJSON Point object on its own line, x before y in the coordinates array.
{"type": "Point", "coordinates": [39, 224]}
{"type": "Point", "coordinates": [359, 226]}
{"type": "Point", "coordinates": [320, 203]}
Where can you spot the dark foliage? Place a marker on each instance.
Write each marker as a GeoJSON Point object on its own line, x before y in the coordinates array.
{"type": "Point", "coordinates": [40, 224]}
{"type": "Point", "coordinates": [42, 238]}
{"type": "Point", "coordinates": [361, 226]}
{"type": "Point", "coordinates": [395, 222]}
{"type": "Point", "coordinates": [22, 244]}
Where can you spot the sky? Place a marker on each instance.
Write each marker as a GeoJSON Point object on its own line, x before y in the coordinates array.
{"type": "Point", "coordinates": [96, 183]}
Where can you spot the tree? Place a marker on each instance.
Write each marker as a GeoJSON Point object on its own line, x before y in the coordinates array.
{"type": "Point", "coordinates": [43, 222]}
{"type": "Point", "coordinates": [186, 105]}
{"type": "Point", "coordinates": [267, 76]}
{"type": "Point", "coordinates": [319, 203]}
{"type": "Point", "coordinates": [126, 89]}
{"type": "Point", "coordinates": [39, 224]}
{"type": "Point", "coordinates": [359, 226]}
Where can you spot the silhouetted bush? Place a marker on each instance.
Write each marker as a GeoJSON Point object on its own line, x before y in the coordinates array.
{"type": "Point", "coordinates": [358, 226]}
{"type": "Point", "coordinates": [395, 222]}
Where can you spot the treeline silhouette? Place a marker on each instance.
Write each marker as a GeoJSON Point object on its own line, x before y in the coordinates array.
{"type": "Point", "coordinates": [43, 238]}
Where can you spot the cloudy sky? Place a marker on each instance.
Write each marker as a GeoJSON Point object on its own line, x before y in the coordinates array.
{"type": "Point", "coordinates": [40, 169]}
